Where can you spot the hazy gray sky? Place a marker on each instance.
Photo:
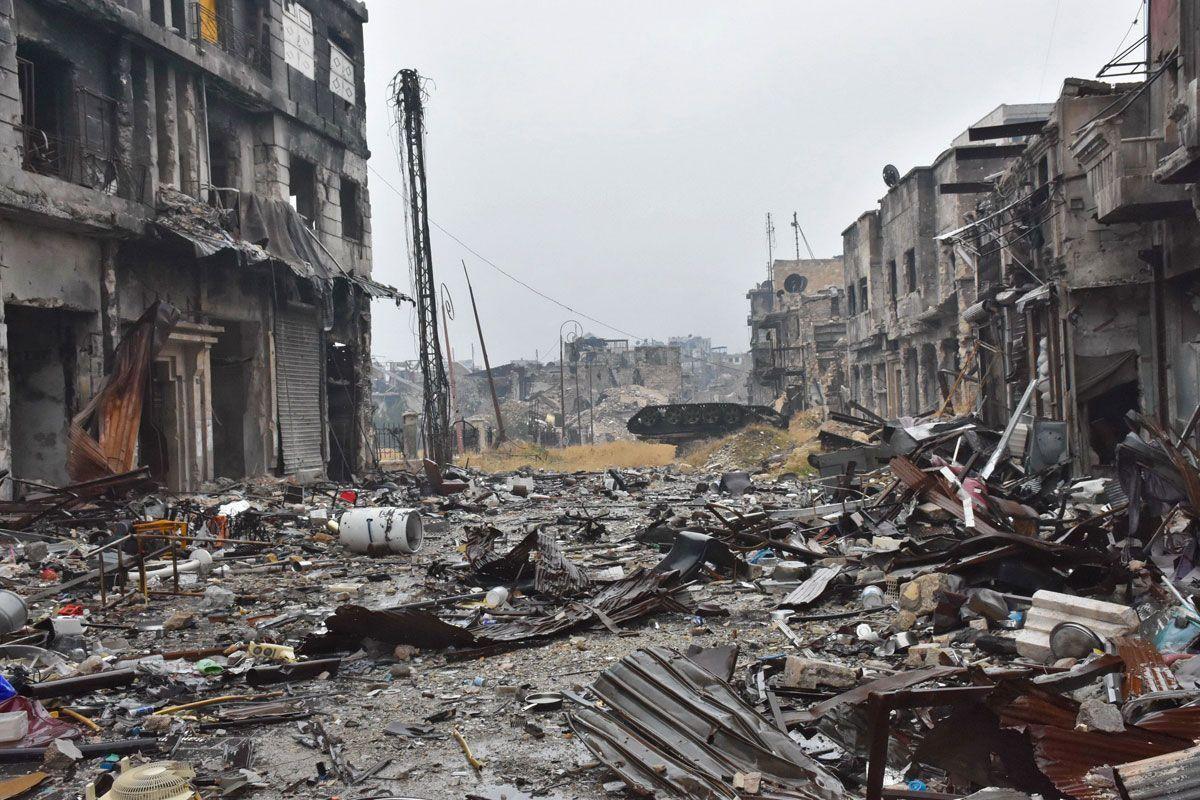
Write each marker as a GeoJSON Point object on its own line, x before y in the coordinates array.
{"type": "Point", "coordinates": [621, 156]}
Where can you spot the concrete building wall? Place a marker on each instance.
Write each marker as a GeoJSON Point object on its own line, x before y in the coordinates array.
{"type": "Point", "coordinates": [109, 106]}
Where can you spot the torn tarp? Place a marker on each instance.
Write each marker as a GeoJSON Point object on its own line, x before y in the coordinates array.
{"type": "Point", "coordinates": [278, 227]}
{"type": "Point", "coordinates": [670, 726]}
{"type": "Point", "coordinates": [259, 230]}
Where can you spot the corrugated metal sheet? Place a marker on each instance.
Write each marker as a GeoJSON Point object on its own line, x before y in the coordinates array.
{"type": "Point", "coordinates": [298, 376]}
{"type": "Point", "coordinates": [1175, 776]}
{"type": "Point", "coordinates": [1067, 756]}
{"type": "Point", "coordinates": [812, 588]}
{"type": "Point", "coordinates": [673, 729]}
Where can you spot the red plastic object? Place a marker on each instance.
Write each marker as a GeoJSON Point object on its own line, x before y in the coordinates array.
{"type": "Point", "coordinates": [43, 728]}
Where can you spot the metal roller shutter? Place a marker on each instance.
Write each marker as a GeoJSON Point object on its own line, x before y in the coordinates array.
{"type": "Point", "coordinates": [298, 377]}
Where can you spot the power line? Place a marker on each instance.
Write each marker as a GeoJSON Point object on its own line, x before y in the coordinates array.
{"type": "Point", "coordinates": [533, 289]}
{"type": "Point", "coordinates": [509, 275]}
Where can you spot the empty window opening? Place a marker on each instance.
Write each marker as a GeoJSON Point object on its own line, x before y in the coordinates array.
{"type": "Point", "coordinates": [910, 269]}
{"type": "Point", "coordinates": [44, 81]}
{"type": "Point", "coordinates": [835, 306]}
{"type": "Point", "coordinates": [179, 16]}
{"type": "Point", "coordinates": [302, 188]}
{"type": "Point", "coordinates": [893, 287]}
{"type": "Point", "coordinates": [351, 216]}
{"type": "Point", "coordinates": [158, 12]}
{"type": "Point", "coordinates": [850, 301]}
{"type": "Point", "coordinates": [863, 302]}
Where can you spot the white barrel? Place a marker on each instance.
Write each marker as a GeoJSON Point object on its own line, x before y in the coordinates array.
{"type": "Point", "coordinates": [13, 612]}
{"type": "Point", "coordinates": [377, 531]}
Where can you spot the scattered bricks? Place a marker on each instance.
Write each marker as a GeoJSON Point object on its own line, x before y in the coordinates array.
{"type": "Point", "coordinates": [748, 782]}
{"type": "Point", "coordinates": [808, 673]}
{"type": "Point", "coordinates": [1097, 715]}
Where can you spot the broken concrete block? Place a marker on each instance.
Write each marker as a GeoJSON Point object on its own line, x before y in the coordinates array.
{"type": "Point", "coordinates": [1097, 715]}
{"type": "Point", "coordinates": [988, 603]}
{"type": "Point", "coordinates": [748, 782]}
{"type": "Point", "coordinates": [920, 595]}
{"type": "Point", "coordinates": [36, 552]}
{"type": "Point", "coordinates": [808, 673]}
{"type": "Point", "coordinates": [1106, 620]}
{"type": "Point", "coordinates": [179, 621]}
{"type": "Point", "coordinates": [61, 756]}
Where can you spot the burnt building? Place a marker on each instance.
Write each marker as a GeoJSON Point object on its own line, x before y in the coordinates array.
{"type": "Point", "coordinates": [905, 290]}
{"type": "Point", "coordinates": [206, 154]}
{"type": "Point", "coordinates": [1045, 270]}
{"type": "Point", "coordinates": [797, 324]}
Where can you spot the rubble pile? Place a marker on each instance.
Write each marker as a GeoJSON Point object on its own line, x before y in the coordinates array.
{"type": "Point", "coordinates": [615, 406]}
{"type": "Point", "coordinates": [652, 632]}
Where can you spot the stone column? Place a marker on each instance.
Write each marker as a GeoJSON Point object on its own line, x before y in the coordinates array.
{"type": "Point", "coordinates": [365, 410]}
{"type": "Point", "coordinates": [10, 93]}
{"type": "Point", "coordinates": [187, 115]}
{"type": "Point", "coordinates": [166, 122]}
{"type": "Point", "coordinates": [127, 179]}
{"type": "Point", "coordinates": [144, 167]}
{"type": "Point", "coordinates": [110, 317]}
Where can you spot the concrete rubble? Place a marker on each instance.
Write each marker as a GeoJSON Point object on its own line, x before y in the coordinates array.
{"type": "Point", "coordinates": [445, 633]}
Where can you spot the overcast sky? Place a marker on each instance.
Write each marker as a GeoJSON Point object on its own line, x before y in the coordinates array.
{"type": "Point", "coordinates": [621, 156]}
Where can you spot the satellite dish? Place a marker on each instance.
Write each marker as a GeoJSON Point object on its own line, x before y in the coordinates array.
{"type": "Point", "coordinates": [795, 284]}
{"type": "Point", "coordinates": [891, 176]}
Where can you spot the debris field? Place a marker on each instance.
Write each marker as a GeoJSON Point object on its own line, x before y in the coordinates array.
{"type": "Point", "coordinates": [648, 632]}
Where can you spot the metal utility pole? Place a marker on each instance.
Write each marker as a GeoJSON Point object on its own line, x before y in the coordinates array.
{"type": "Point", "coordinates": [410, 121]}
{"type": "Point", "coordinates": [447, 315]}
{"type": "Point", "coordinates": [592, 405]}
{"type": "Point", "coordinates": [500, 437]}
{"type": "Point", "coordinates": [562, 378]}
{"type": "Point", "coordinates": [800, 235]}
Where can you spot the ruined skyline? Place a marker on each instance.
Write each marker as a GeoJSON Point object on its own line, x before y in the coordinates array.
{"type": "Point", "coordinates": [606, 182]}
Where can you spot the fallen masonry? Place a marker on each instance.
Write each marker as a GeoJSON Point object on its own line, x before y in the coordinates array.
{"type": "Point", "coordinates": [449, 633]}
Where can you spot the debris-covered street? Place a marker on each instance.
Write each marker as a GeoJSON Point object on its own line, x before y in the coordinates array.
{"type": "Point", "coordinates": [396, 402]}
{"type": "Point", "coordinates": [664, 630]}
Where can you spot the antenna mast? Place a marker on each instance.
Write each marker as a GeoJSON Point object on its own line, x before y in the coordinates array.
{"type": "Point", "coordinates": [410, 120]}
{"type": "Point", "coordinates": [800, 235]}
{"type": "Point", "coordinates": [770, 246]}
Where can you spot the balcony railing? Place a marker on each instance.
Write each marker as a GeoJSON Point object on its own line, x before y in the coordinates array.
{"type": "Point", "coordinates": [73, 160]}
{"type": "Point", "coordinates": [209, 27]}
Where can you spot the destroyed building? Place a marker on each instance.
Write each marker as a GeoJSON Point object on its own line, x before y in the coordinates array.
{"type": "Point", "coordinates": [796, 326]}
{"type": "Point", "coordinates": [904, 291]}
{"type": "Point", "coordinates": [710, 373]}
{"type": "Point", "coordinates": [210, 155]}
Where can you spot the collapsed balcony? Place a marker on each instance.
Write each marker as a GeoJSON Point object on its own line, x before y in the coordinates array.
{"type": "Point", "coordinates": [1120, 175]}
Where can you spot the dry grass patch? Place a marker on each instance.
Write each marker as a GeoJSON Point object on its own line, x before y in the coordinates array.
{"type": "Point", "coordinates": [580, 458]}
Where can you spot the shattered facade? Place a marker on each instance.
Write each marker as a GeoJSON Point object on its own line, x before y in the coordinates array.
{"type": "Point", "coordinates": [904, 290]}
{"type": "Point", "coordinates": [210, 155]}
{"type": "Point", "coordinates": [796, 326]}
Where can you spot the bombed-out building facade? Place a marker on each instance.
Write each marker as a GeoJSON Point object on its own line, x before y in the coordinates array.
{"type": "Point", "coordinates": [206, 156]}
{"type": "Point", "coordinates": [796, 327]}
{"type": "Point", "coordinates": [1043, 270]}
